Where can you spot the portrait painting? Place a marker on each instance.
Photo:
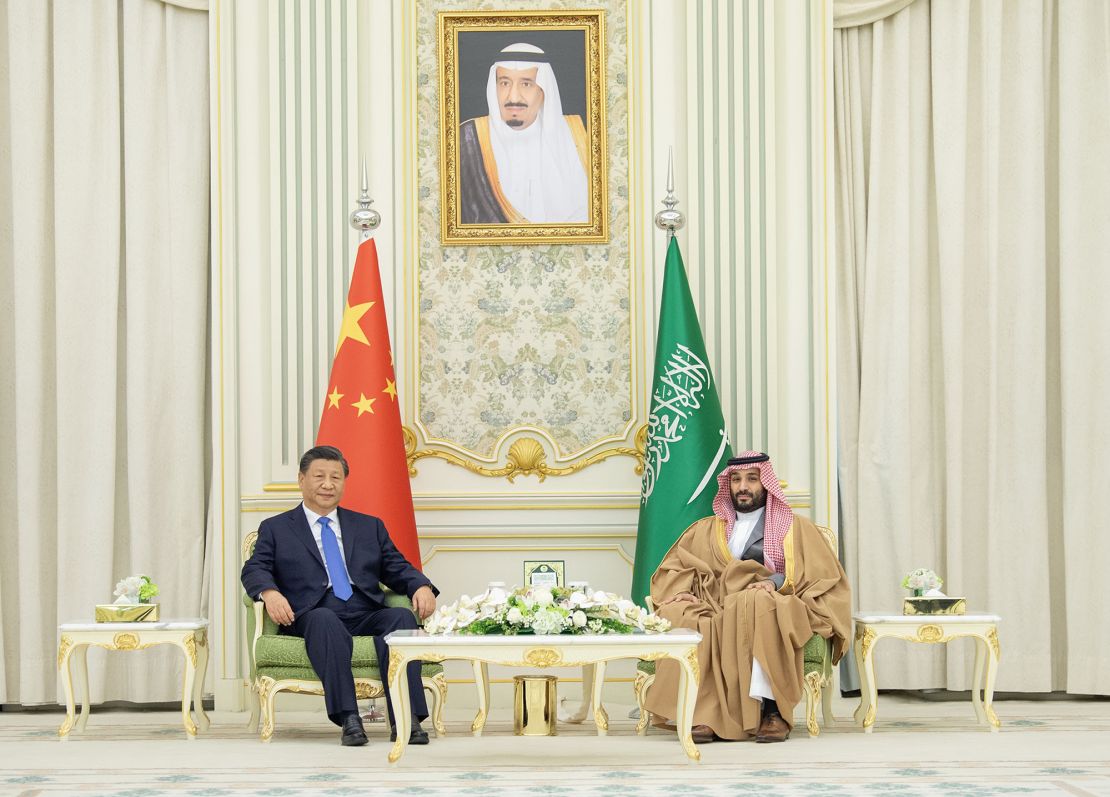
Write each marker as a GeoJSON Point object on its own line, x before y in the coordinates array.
{"type": "Point", "coordinates": [522, 113]}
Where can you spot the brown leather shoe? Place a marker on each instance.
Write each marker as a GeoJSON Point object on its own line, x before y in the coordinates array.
{"type": "Point", "coordinates": [702, 734]}
{"type": "Point", "coordinates": [773, 728]}
{"type": "Point", "coordinates": [663, 724]}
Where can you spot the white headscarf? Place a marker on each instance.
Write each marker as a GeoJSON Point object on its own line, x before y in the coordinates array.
{"type": "Point", "coordinates": [539, 169]}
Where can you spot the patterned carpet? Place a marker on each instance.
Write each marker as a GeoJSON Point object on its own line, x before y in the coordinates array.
{"type": "Point", "coordinates": [1033, 778]}
{"type": "Point", "coordinates": [921, 750]}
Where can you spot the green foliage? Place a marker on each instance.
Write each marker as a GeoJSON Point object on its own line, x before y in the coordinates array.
{"type": "Point", "coordinates": [148, 590]}
{"type": "Point", "coordinates": [488, 626]}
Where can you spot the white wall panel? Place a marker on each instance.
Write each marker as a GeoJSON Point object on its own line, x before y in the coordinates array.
{"type": "Point", "coordinates": [302, 89]}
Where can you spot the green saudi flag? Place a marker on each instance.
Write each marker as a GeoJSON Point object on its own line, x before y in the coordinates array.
{"type": "Point", "coordinates": [687, 445]}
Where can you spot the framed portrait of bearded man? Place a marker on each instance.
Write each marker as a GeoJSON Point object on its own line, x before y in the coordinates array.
{"type": "Point", "coordinates": [522, 127]}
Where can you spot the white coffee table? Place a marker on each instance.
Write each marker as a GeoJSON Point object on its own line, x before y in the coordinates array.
{"type": "Point", "coordinates": [191, 636]}
{"type": "Point", "coordinates": [929, 629]}
{"type": "Point", "coordinates": [543, 651]}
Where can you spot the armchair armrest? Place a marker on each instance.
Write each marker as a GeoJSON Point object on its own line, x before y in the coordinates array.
{"type": "Point", "coordinates": [259, 621]}
{"type": "Point", "coordinates": [255, 624]}
{"type": "Point", "coordinates": [396, 600]}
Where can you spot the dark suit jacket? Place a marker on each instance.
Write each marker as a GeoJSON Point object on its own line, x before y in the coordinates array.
{"type": "Point", "coordinates": [286, 559]}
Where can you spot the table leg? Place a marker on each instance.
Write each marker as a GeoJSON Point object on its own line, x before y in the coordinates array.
{"type": "Point", "coordinates": [643, 681]}
{"type": "Point", "coordinates": [198, 687]}
{"type": "Point", "coordinates": [857, 652]}
{"type": "Point", "coordinates": [587, 696]}
{"type": "Point", "coordinates": [993, 652]}
{"type": "Point", "coordinates": [687, 696]}
{"type": "Point", "coordinates": [402, 711]}
{"type": "Point", "coordinates": [82, 655]}
{"type": "Point", "coordinates": [481, 682]}
{"type": "Point", "coordinates": [867, 681]}
{"type": "Point", "coordinates": [601, 718]}
{"type": "Point", "coordinates": [65, 651]}
{"type": "Point", "coordinates": [827, 692]}
{"type": "Point", "coordinates": [190, 654]}
{"type": "Point", "coordinates": [977, 680]}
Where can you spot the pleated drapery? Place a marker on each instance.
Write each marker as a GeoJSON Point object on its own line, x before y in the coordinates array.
{"type": "Point", "coordinates": [104, 196]}
{"type": "Point", "coordinates": [973, 233]}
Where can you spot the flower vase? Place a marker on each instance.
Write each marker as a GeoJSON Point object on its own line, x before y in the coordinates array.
{"type": "Point", "coordinates": [919, 592]}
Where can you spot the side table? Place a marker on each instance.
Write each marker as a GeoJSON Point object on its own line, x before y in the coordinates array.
{"type": "Point", "coordinates": [930, 629]}
{"type": "Point", "coordinates": [191, 636]}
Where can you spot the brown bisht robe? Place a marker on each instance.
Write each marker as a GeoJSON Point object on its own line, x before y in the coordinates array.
{"type": "Point", "coordinates": [736, 624]}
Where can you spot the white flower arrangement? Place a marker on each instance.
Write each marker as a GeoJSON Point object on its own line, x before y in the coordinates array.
{"type": "Point", "coordinates": [135, 589]}
{"type": "Point", "coordinates": [543, 610]}
{"type": "Point", "coordinates": [921, 580]}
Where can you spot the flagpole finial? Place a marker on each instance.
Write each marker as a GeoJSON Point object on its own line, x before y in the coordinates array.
{"type": "Point", "coordinates": [670, 219]}
{"type": "Point", "coordinates": [364, 218]}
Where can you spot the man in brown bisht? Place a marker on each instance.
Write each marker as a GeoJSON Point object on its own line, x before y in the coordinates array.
{"type": "Point", "coordinates": [757, 581]}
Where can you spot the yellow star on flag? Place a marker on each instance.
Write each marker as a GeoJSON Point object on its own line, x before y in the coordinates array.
{"type": "Point", "coordinates": [391, 389]}
{"type": "Point", "coordinates": [334, 396]}
{"type": "Point", "coordinates": [364, 405]}
{"type": "Point", "coordinates": [350, 327]}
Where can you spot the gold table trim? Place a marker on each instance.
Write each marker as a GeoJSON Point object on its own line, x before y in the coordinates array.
{"type": "Point", "coordinates": [525, 653]}
{"type": "Point", "coordinates": [929, 630]}
{"type": "Point", "coordinates": [74, 644]}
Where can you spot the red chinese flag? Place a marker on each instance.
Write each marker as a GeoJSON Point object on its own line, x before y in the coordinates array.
{"type": "Point", "coordinates": [361, 415]}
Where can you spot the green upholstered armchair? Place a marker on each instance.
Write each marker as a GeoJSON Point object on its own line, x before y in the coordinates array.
{"type": "Point", "coordinates": [817, 675]}
{"type": "Point", "coordinates": [279, 663]}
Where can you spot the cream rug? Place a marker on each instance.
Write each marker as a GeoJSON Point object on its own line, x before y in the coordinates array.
{"type": "Point", "coordinates": [918, 748]}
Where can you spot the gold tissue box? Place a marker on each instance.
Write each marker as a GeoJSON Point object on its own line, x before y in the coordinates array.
{"type": "Point", "coordinates": [127, 612]}
{"type": "Point", "coordinates": [934, 605]}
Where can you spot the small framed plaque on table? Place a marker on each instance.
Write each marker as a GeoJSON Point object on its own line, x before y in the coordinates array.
{"type": "Point", "coordinates": [544, 574]}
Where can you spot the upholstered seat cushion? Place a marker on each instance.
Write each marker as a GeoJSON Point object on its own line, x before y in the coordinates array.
{"type": "Point", "coordinates": [428, 670]}
{"type": "Point", "coordinates": [280, 656]}
{"type": "Point", "coordinates": [280, 650]}
{"type": "Point", "coordinates": [274, 649]}
{"type": "Point", "coordinates": [814, 652]}
{"type": "Point", "coordinates": [813, 656]}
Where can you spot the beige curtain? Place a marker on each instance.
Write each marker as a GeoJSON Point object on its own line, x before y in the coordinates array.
{"type": "Point", "coordinates": [103, 304]}
{"type": "Point", "coordinates": [850, 13]}
{"type": "Point", "coordinates": [973, 227]}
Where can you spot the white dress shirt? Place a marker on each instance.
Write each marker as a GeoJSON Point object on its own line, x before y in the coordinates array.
{"type": "Point", "coordinates": [314, 524]}
{"type": "Point", "coordinates": [742, 531]}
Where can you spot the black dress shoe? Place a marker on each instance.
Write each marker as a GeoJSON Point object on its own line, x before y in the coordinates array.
{"type": "Point", "coordinates": [417, 736]}
{"type": "Point", "coordinates": [353, 733]}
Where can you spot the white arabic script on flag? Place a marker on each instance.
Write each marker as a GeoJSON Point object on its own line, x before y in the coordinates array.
{"type": "Point", "coordinates": [677, 397]}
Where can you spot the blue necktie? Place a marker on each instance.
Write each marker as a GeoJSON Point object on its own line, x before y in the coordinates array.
{"type": "Point", "coordinates": [333, 558]}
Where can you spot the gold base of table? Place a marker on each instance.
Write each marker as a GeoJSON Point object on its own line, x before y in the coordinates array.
{"type": "Point", "coordinates": [534, 705]}
{"type": "Point", "coordinates": [127, 613]}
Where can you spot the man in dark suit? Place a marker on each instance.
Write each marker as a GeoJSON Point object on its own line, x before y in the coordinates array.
{"type": "Point", "coordinates": [317, 568]}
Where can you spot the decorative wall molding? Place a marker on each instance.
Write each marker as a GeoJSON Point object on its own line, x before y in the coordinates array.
{"type": "Point", "coordinates": [527, 456]}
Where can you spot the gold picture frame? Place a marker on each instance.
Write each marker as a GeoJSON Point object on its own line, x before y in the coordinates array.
{"type": "Point", "coordinates": [549, 573]}
{"type": "Point", "coordinates": [478, 198]}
